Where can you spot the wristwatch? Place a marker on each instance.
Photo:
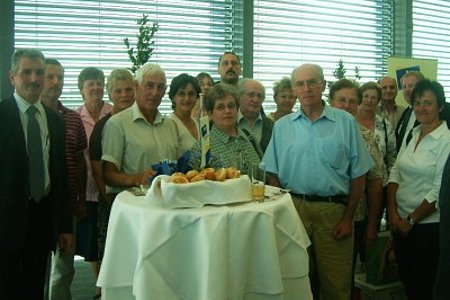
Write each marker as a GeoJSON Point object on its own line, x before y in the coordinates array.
{"type": "Point", "coordinates": [410, 220]}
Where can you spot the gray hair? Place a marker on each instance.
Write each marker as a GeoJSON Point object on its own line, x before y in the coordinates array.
{"type": "Point", "coordinates": [31, 53]}
{"type": "Point", "coordinates": [243, 82]}
{"type": "Point", "coordinates": [149, 68]}
{"type": "Point", "coordinates": [118, 74]}
{"type": "Point", "coordinates": [314, 66]}
{"type": "Point", "coordinates": [281, 85]}
{"type": "Point", "coordinates": [416, 74]}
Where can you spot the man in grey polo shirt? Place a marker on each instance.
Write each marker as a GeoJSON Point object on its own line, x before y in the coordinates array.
{"type": "Point", "coordinates": [139, 136]}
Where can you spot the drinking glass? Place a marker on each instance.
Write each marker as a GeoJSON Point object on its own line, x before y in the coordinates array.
{"type": "Point", "coordinates": [258, 179]}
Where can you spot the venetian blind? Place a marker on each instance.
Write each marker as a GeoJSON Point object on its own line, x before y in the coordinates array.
{"type": "Point", "coordinates": [289, 33]}
{"type": "Point", "coordinates": [191, 36]}
{"type": "Point", "coordinates": [431, 36]}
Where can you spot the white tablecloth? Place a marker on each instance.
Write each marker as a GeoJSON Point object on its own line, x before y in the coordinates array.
{"type": "Point", "coordinates": [241, 251]}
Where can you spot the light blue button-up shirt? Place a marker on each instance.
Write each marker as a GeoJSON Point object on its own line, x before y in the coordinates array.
{"type": "Point", "coordinates": [318, 157]}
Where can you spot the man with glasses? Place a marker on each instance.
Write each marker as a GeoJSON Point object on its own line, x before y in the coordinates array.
{"type": "Point", "coordinates": [139, 136]}
{"type": "Point", "coordinates": [229, 68]}
{"type": "Point", "coordinates": [318, 153]}
{"type": "Point", "coordinates": [250, 118]}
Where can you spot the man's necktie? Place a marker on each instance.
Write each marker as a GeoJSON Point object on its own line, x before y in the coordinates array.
{"type": "Point", "coordinates": [35, 156]}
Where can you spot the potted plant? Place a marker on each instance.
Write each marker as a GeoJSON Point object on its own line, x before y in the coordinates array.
{"type": "Point", "coordinates": [144, 47]}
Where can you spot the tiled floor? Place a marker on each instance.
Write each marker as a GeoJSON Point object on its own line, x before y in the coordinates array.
{"type": "Point", "coordinates": [83, 283]}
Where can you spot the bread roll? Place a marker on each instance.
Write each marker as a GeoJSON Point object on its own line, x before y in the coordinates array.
{"type": "Point", "coordinates": [178, 174]}
{"type": "Point", "coordinates": [232, 172]}
{"type": "Point", "coordinates": [191, 174]}
{"type": "Point", "coordinates": [198, 178]}
{"type": "Point", "coordinates": [209, 173]}
{"type": "Point", "coordinates": [221, 174]}
{"type": "Point", "coordinates": [179, 179]}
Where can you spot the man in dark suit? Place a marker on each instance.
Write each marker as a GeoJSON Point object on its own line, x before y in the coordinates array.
{"type": "Point", "coordinates": [34, 204]}
{"type": "Point", "coordinates": [408, 118]}
{"type": "Point", "coordinates": [441, 289]}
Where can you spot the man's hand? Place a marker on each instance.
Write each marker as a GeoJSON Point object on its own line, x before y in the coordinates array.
{"type": "Point", "coordinates": [394, 219]}
{"type": "Point", "coordinates": [146, 177]}
{"type": "Point", "coordinates": [403, 227]}
{"type": "Point", "coordinates": [343, 229]}
{"type": "Point", "coordinates": [66, 243]}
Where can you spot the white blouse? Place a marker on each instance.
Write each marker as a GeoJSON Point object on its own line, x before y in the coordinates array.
{"type": "Point", "coordinates": [186, 138]}
{"type": "Point", "coordinates": [418, 172]}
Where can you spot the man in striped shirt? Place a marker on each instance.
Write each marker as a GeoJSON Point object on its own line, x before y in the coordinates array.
{"type": "Point", "coordinates": [62, 271]}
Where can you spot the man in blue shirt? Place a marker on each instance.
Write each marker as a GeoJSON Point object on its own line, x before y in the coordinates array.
{"type": "Point", "coordinates": [318, 153]}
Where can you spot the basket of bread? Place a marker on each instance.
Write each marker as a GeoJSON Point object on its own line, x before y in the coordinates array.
{"type": "Point", "coordinates": [198, 188]}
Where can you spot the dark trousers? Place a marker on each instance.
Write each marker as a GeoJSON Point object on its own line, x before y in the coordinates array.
{"type": "Point", "coordinates": [417, 258]}
{"type": "Point", "coordinates": [23, 273]}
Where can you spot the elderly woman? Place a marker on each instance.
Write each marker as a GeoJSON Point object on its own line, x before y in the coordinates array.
{"type": "Point", "coordinates": [206, 82]}
{"type": "Point", "coordinates": [345, 94]}
{"type": "Point", "coordinates": [229, 145]}
{"type": "Point", "coordinates": [283, 97]}
{"type": "Point", "coordinates": [121, 91]}
{"type": "Point", "coordinates": [384, 133]}
{"type": "Point", "coordinates": [413, 191]}
{"type": "Point", "coordinates": [184, 93]}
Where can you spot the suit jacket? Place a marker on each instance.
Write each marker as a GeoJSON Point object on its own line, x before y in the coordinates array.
{"type": "Point", "coordinates": [267, 125]}
{"type": "Point", "coordinates": [442, 291]}
{"type": "Point", "coordinates": [14, 182]}
{"type": "Point", "coordinates": [445, 114]}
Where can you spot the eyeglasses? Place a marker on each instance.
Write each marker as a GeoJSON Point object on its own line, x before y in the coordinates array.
{"type": "Point", "coordinates": [348, 101]}
{"type": "Point", "coordinates": [230, 106]}
{"type": "Point", "coordinates": [424, 103]}
{"type": "Point", "coordinates": [259, 96]}
{"type": "Point", "coordinates": [311, 83]}
{"type": "Point", "coordinates": [190, 94]}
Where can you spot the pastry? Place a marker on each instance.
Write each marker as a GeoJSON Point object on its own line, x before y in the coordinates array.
{"type": "Point", "coordinates": [179, 177]}
{"type": "Point", "coordinates": [221, 174]}
{"type": "Point", "coordinates": [198, 178]}
{"type": "Point", "coordinates": [232, 172]}
{"type": "Point", "coordinates": [191, 174]}
{"type": "Point", "coordinates": [209, 173]}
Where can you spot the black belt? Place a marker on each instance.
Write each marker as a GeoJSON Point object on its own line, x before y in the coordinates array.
{"type": "Point", "coordinates": [341, 199]}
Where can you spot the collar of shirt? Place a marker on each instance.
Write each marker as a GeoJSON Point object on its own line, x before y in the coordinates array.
{"type": "Point", "coordinates": [328, 112]}
{"type": "Point", "coordinates": [225, 138]}
{"type": "Point", "coordinates": [86, 117]}
{"type": "Point", "coordinates": [137, 114]}
{"type": "Point", "coordinates": [241, 119]}
{"type": "Point", "coordinates": [23, 105]}
{"type": "Point", "coordinates": [62, 109]}
{"type": "Point", "coordinates": [381, 107]}
{"type": "Point", "coordinates": [436, 134]}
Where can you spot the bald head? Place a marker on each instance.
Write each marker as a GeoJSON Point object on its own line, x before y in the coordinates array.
{"type": "Point", "coordinates": [389, 89]}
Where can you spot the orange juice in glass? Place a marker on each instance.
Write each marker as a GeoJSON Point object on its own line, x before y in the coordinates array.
{"type": "Point", "coordinates": [258, 178]}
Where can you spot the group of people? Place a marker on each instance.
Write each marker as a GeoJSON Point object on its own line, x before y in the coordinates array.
{"type": "Point", "coordinates": [343, 163]}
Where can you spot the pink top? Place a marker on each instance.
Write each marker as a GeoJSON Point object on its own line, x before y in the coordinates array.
{"type": "Point", "coordinates": [89, 123]}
